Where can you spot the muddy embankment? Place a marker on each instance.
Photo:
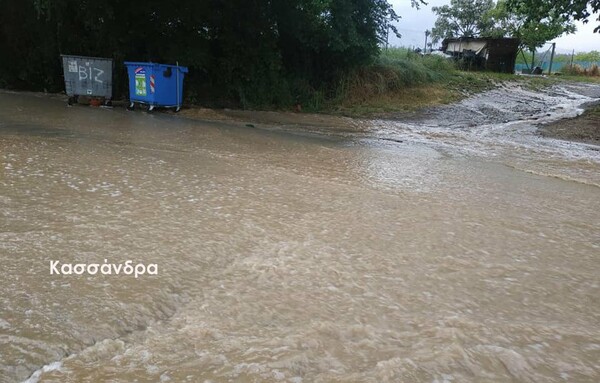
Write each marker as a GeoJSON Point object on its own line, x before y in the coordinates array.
{"type": "Point", "coordinates": [554, 112]}
{"type": "Point", "coordinates": [584, 128]}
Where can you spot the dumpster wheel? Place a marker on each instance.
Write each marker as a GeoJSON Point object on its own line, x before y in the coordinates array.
{"type": "Point", "coordinates": [150, 108]}
{"type": "Point", "coordinates": [131, 106]}
{"type": "Point", "coordinates": [72, 100]}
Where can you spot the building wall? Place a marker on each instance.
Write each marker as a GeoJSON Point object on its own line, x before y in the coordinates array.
{"type": "Point", "coordinates": [499, 54]}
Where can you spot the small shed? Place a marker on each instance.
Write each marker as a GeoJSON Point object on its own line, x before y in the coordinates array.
{"type": "Point", "coordinates": [494, 54]}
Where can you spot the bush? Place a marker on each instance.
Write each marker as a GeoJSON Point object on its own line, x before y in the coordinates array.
{"type": "Point", "coordinates": [578, 70]}
{"type": "Point", "coordinates": [394, 70]}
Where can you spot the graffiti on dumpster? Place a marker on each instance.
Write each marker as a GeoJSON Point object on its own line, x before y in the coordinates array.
{"type": "Point", "coordinates": [86, 71]}
{"type": "Point", "coordinates": [140, 81]}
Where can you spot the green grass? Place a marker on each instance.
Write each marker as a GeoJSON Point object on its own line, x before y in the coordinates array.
{"type": "Point", "coordinates": [397, 80]}
{"type": "Point", "coordinates": [588, 79]}
{"type": "Point", "coordinates": [403, 81]}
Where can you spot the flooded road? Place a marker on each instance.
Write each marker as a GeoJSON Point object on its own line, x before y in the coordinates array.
{"type": "Point", "coordinates": [450, 249]}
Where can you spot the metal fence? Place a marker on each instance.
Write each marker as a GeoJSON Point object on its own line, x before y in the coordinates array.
{"type": "Point", "coordinates": [557, 66]}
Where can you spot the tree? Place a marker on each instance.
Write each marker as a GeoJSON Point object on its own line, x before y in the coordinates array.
{"type": "Point", "coordinates": [240, 52]}
{"type": "Point", "coordinates": [593, 56]}
{"type": "Point", "coordinates": [568, 9]}
{"type": "Point", "coordinates": [462, 18]}
{"type": "Point", "coordinates": [483, 18]}
{"type": "Point", "coordinates": [533, 34]}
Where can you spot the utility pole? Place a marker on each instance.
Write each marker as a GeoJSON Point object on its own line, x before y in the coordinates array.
{"type": "Point", "coordinates": [551, 58]}
{"type": "Point", "coordinates": [427, 33]}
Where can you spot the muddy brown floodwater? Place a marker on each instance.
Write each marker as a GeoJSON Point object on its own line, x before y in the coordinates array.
{"type": "Point", "coordinates": [459, 247]}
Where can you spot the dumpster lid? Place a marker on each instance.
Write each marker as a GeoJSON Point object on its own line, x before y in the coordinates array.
{"type": "Point", "coordinates": [182, 69]}
{"type": "Point", "coordinates": [85, 57]}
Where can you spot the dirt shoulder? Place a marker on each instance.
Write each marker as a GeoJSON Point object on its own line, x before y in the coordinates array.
{"type": "Point", "coordinates": [484, 100]}
{"type": "Point", "coordinates": [500, 99]}
{"type": "Point", "coordinates": [584, 128]}
{"type": "Point", "coordinates": [266, 117]}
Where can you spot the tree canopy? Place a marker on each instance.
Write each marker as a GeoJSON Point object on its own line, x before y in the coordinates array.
{"type": "Point", "coordinates": [506, 18]}
{"type": "Point", "coordinates": [514, 22]}
{"type": "Point", "coordinates": [536, 10]}
{"type": "Point", "coordinates": [462, 18]}
{"type": "Point", "coordinates": [240, 51]}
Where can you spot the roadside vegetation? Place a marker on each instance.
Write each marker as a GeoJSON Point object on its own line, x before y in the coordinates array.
{"type": "Point", "coordinates": [578, 70]}
{"type": "Point", "coordinates": [401, 80]}
{"type": "Point", "coordinates": [386, 80]}
{"type": "Point", "coordinates": [311, 55]}
{"type": "Point", "coordinates": [257, 54]}
{"type": "Point", "coordinates": [398, 80]}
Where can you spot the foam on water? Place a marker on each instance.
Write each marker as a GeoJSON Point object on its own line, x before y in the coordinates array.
{"type": "Point", "coordinates": [35, 377]}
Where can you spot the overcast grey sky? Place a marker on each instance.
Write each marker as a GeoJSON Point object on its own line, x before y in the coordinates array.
{"type": "Point", "coordinates": [414, 22]}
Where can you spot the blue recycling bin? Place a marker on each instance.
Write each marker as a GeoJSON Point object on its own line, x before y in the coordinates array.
{"type": "Point", "coordinates": [155, 84]}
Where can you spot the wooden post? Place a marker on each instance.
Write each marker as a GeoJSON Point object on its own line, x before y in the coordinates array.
{"type": "Point", "coordinates": [551, 58]}
{"type": "Point", "coordinates": [572, 57]}
{"type": "Point", "coordinates": [525, 60]}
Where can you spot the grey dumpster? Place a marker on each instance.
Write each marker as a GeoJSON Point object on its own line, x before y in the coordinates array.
{"type": "Point", "coordinates": [87, 76]}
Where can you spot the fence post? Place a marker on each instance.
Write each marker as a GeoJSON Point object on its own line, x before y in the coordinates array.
{"type": "Point", "coordinates": [572, 57]}
{"type": "Point", "coordinates": [551, 58]}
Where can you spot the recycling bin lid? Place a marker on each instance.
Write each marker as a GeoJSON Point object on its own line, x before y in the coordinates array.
{"type": "Point", "coordinates": [182, 69]}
